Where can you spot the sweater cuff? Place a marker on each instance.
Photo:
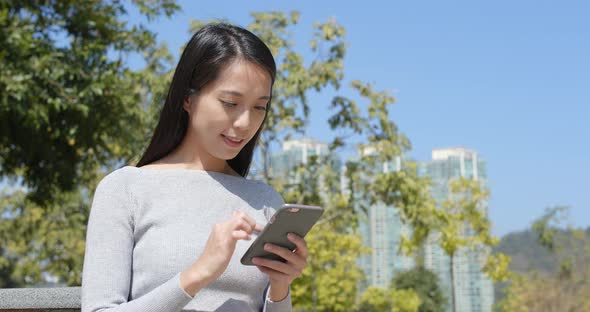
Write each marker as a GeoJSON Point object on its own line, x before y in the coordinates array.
{"type": "Point", "coordinates": [186, 295]}
{"type": "Point", "coordinates": [283, 306]}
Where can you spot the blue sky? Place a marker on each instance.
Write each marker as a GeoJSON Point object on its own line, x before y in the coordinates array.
{"type": "Point", "coordinates": [509, 79]}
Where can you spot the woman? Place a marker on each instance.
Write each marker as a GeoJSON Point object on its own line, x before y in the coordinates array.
{"type": "Point", "coordinates": [168, 234]}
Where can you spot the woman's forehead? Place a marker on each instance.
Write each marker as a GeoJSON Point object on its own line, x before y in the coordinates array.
{"type": "Point", "coordinates": [243, 78]}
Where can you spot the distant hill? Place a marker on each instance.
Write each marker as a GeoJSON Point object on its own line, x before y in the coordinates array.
{"type": "Point", "coordinates": [528, 255]}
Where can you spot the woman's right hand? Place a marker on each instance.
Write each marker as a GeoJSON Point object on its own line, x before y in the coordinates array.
{"type": "Point", "coordinates": [218, 251]}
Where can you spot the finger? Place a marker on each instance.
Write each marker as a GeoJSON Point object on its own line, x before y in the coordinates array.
{"type": "Point", "coordinates": [250, 221]}
{"type": "Point", "coordinates": [263, 269]}
{"type": "Point", "coordinates": [300, 243]}
{"type": "Point", "coordinates": [258, 227]}
{"type": "Point", "coordinates": [270, 271]}
{"type": "Point", "coordinates": [241, 235]}
{"type": "Point", "coordinates": [241, 224]}
{"type": "Point", "coordinates": [242, 215]}
{"type": "Point", "coordinates": [297, 260]}
{"type": "Point", "coordinates": [278, 266]}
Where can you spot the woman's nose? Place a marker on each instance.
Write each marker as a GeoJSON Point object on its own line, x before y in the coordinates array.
{"type": "Point", "coordinates": [242, 121]}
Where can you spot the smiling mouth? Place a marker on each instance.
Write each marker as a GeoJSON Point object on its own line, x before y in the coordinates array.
{"type": "Point", "coordinates": [232, 142]}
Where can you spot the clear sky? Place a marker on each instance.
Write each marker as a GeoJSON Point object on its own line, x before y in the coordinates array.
{"type": "Point", "coordinates": [509, 79]}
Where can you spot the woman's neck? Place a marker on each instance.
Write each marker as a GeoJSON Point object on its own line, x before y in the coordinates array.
{"type": "Point", "coordinates": [187, 156]}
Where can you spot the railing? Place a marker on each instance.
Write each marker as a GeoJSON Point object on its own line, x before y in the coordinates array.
{"type": "Point", "coordinates": [60, 299]}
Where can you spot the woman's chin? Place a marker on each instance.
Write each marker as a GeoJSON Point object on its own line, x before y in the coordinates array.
{"type": "Point", "coordinates": [227, 155]}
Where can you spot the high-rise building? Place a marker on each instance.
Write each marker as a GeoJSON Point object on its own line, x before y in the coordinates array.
{"type": "Point", "coordinates": [293, 153]}
{"type": "Point", "coordinates": [299, 152]}
{"type": "Point", "coordinates": [474, 291]}
{"type": "Point", "coordinates": [381, 229]}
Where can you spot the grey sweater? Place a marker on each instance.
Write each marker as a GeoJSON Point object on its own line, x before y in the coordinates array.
{"type": "Point", "coordinates": [146, 226]}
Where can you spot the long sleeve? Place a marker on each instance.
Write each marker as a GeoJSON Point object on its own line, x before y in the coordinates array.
{"type": "Point", "coordinates": [107, 269]}
{"type": "Point", "coordinates": [277, 306]}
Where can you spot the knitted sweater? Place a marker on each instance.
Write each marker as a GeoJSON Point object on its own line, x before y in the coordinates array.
{"type": "Point", "coordinates": [146, 226]}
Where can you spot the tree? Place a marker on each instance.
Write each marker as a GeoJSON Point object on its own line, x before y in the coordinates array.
{"type": "Point", "coordinates": [405, 300]}
{"type": "Point", "coordinates": [404, 188]}
{"type": "Point", "coordinates": [375, 299]}
{"type": "Point", "coordinates": [425, 284]}
{"type": "Point", "coordinates": [564, 290]}
{"type": "Point", "coordinates": [465, 225]}
{"type": "Point", "coordinates": [68, 114]}
{"type": "Point", "coordinates": [367, 186]}
{"type": "Point", "coordinates": [6, 280]}
{"type": "Point", "coordinates": [65, 107]}
{"type": "Point", "coordinates": [330, 281]}
{"type": "Point", "coordinates": [290, 109]}
{"type": "Point", "coordinates": [536, 292]}
{"type": "Point", "coordinates": [46, 239]}
{"type": "Point", "coordinates": [384, 300]}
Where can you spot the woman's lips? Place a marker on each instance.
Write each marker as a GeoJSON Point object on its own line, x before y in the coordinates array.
{"type": "Point", "coordinates": [233, 142]}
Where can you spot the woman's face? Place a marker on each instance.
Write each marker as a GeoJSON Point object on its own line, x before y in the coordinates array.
{"type": "Point", "coordinates": [227, 112]}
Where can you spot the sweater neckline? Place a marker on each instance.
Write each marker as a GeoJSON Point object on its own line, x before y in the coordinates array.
{"type": "Point", "coordinates": [197, 171]}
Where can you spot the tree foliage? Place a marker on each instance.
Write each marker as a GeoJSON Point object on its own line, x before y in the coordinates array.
{"type": "Point", "coordinates": [71, 109]}
{"type": "Point", "coordinates": [465, 225]}
{"type": "Point", "coordinates": [330, 281]}
{"type": "Point", "coordinates": [385, 300]}
{"type": "Point", "coordinates": [68, 101]}
{"type": "Point", "coordinates": [425, 284]}
{"type": "Point", "coordinates": [563, 290]}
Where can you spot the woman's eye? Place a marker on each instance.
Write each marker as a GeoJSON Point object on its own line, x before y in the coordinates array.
{"type": "Point", "coordinates": [262, 108]}
{"type": "Point", "coordinates": [228, 104]}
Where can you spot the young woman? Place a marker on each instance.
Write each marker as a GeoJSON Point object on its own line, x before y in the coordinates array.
{"type": "Point", "coordinates": [168, 234]}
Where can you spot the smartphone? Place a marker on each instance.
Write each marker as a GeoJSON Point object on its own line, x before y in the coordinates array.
{"type": "Point", "coordinates": [290, 218]}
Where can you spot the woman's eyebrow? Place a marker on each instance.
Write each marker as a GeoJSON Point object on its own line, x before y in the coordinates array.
{"type": "Point", "coordinates": [238, 94]}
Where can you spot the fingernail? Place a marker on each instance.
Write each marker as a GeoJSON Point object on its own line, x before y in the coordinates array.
{"type": "Point", "coordinates": [291, 236]}
{"type": "Point", "coordinates": [255, 260]}
{"type": "Point", "coordinates": [267, 247]}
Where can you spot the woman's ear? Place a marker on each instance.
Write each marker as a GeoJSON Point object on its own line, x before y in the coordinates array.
{"type": "Point", "coordinates": [186, 104]}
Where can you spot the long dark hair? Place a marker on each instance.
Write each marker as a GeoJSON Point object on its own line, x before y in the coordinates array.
{"type": "Point", "coordinates": [210, 48]}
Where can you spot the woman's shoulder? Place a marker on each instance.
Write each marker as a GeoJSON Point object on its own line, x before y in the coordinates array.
{"type": "Point", "coordinates": [118, 178]}
{"type": "Point", "coordinates": [269, 192]}
{"type": "Point", "coordinates": [112, 192]}
{"type": "Point", "coordinates": [263, 186]}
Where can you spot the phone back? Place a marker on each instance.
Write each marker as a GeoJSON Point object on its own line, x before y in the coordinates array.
{"type": "Point", "coordinates": [290, 218]}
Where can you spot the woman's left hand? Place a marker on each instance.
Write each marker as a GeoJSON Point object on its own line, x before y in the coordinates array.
{"type": "Point", "coordinates": [282, 274]}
